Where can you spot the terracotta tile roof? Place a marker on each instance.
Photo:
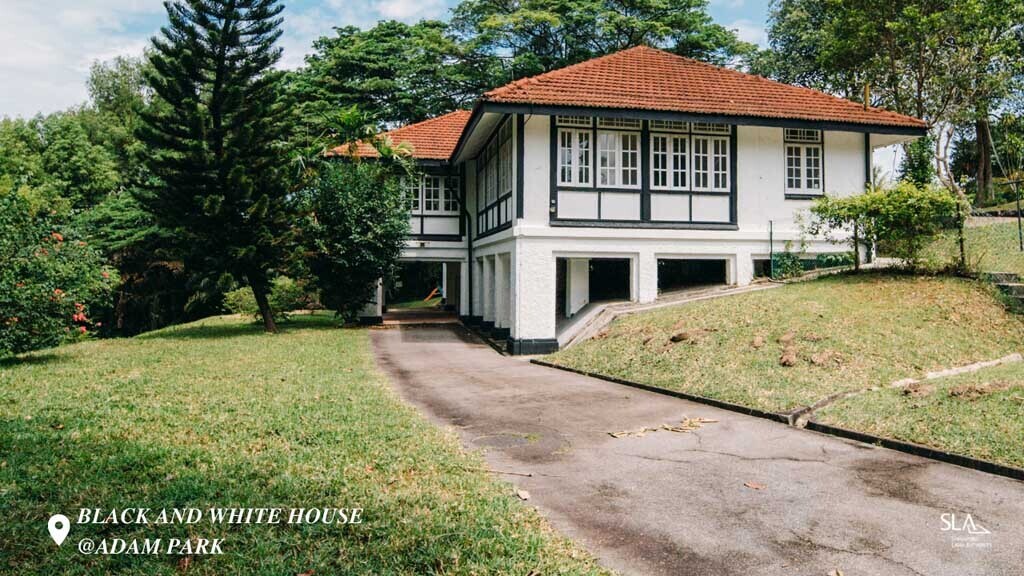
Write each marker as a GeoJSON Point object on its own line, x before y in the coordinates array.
{"type": "Point", "coordinates": [644, 78]}
{"type": "Point", "coordinates": [433, 139]}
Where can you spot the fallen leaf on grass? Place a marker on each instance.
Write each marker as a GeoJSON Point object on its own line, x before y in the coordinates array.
{"type": "Point", "coordinates": [523, 494]}
{"type": "Point", "coordinates": [754, 485]}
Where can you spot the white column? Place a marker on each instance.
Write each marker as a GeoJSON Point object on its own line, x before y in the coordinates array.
{"type": "Point", "coordinates": [464, 288]}
{"type": "Point", "coordinates": [444, 281]}
{"type": "Point", "coordinates": [646, 265]}
{"type": "Point", "coordinates": [577, 279]}
{"type": "Point", "coordinates": [535, 309]}
{"type": "Point", "coordinates": [488, 289]}
{"type": "Point", "coordinates": [743, 263]}
{"type": "Point", "coordinates": [478, 287]}
{"type": "Point", "coordinates": [502, 288]}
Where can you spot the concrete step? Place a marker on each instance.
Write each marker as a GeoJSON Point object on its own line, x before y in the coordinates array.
{"type": "Point", "coordinates": [1015, 289]}
{"type": "Point", "coordinates": [1000, 277]}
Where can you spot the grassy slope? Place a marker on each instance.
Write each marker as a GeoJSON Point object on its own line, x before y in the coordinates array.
{"type": "Point", "coordinates": [990, 427]}
{"type": "Point", "coordinates": [990, 248]}
{"type": "Point", "coordinates": [217, 414]}
{"type": "Point", "coordinates": [885, 329]}
{"type": "Point", "coordinates": [414, 304]}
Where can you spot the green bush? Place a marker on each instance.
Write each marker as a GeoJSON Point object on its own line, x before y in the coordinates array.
{"type": "Point", "coordinates": [834, 259]}
{"type": "Point", "coordinates": [51, 283]}
{"type": "Point", "coordinates": [904, 218]}
{"type": "Point", "coordinates": [285, 295]}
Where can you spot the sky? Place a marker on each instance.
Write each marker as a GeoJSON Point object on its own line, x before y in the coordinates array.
{"type": "Point", "coordinates": [46, 48]}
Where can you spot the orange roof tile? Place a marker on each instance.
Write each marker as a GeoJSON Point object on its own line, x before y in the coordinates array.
{"type": "Point", "coordinates": [433, 139]}
{"type": "Point", "coordinates": [644, 78]}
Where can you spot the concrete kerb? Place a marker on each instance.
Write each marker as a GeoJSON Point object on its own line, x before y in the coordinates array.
{"type": "Point", "coordinates": [814, 426]}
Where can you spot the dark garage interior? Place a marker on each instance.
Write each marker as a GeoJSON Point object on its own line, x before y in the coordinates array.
{"type": "Point", "coordinates": [609, 279]}
{"type": "Point", "coordinates": [680, 274]}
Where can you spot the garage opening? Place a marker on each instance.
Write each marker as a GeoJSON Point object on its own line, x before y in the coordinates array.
{"type": "Point", "coordinates": [681, 274]}
{"type": "Point", "coordinates": [423, 287]}
{"type": "Point", "coordinates": [609, 279]}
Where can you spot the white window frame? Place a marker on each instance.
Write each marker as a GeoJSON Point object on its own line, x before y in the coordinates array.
{"type": "Point", "coordinates": [414, 193]}
{"type": "Point", "coordinates": [612, 165]}
{"type": "Point", "coordinates": [704, 167]}
{"type": "Point", "coordinates": [672, 170]}
{"type": "Point", "coordinates": [799, 168]}
{"type": "Point", "coordinates": [580, 173]}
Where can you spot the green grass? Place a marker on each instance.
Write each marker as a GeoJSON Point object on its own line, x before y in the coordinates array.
{"type": "Point", "coordinates": [415, 304]}
{"type": "Point", "coordinates": [217, 413]}
{"type": "Point", "coordinates": [1005, 206]}
{"type": "Point", "coordinates": [990, 248]}
{"type": "Point", "coordinates": [878, 328]}
{"type": "Point", "coordinates": [990, 427]}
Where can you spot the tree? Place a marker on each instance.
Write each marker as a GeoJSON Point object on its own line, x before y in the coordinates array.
{"type": "Point", "coordinates": [401, 73]}
{"type": "Point", "coordinates": [215, 139]}
{"type": "Point", "coordinates": [541, 35]}
{"type": "Point", "coordinates": [50, 281]}
{"type": "Point", "coordinates": [917, 165]}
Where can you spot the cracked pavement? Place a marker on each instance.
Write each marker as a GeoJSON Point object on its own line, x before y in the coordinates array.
{"type": "Point", "coordinates": [676, 503]}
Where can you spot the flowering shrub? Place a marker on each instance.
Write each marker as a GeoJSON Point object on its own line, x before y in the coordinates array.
{"type": "Point", "coordinates": [48, 284]}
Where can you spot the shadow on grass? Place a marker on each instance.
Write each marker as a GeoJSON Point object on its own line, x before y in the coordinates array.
{"type": "Point", "coordinates": [32, 359]}
{"type": "Point", "coordinates": [209, 330]}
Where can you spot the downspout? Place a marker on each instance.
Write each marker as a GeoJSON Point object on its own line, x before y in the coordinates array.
{"type": "Point", "coordinates": [469, 251]}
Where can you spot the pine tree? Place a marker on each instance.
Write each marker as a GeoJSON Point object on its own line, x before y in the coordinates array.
{"type": "Point", "coordinates": [215, 137]}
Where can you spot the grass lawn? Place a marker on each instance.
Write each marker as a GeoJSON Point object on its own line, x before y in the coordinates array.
{"type": "Point", "coordinates": [979, 414]}
{"type": "Point", "coordinates": [414, 304]}
{"type": "Point", "coordinates": [216, 413]}
{"type": "Point", "coordinates": [990, 248]}
{"type": "Point", "coordinates": [849, 331]}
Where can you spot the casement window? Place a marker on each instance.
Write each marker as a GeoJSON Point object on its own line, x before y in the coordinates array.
{"type": "Point", "coordinates": [669, 161]}
{"type": "Point", "coordinates": [803, 161]}
{"type": "Point", "coordinates": [574, 151]}
{"type": "Point", "coordinates": [505, 159]}
{"type": "Point", "coordinates": [710, 163]}
{"type": "Point", "coordinates": [495, 180]}
{"type": "Point", "coordinates": [618, 159]}
{"type": "Point", "coordinates": [429, 194]}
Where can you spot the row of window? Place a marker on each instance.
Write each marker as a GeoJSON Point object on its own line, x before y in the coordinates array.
{"type": "Point", "coordinates": [494, 180]}
{"type": "Point", "coordinates": [429, 194]}
{"type": "Point", "coordinates": [685, 156]}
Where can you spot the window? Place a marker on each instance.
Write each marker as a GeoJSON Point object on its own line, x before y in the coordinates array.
{"type": "Point", "coordinates": [618, 159]}
{"type": "Point", "coordinates": [495, 180]}
{"type": "Point", "coordinates": [431, 194]}
{"type": "Point", "coordinates": [574, 157]}
{"type": "Point", "coordinates": [412, 192]}
{"type": "Point", "coordinates": [577, 121]}
{"type": "Point", "coordinates": [709, 128]}
{"type": "Point", "coordinates": [710, 163]}
{"type": "Point", "coordinates": [669, 126]}
{"type": "Point", "coordinates": [669, 156]}
{"type": "Point", "coordinates": [450, 201]}
{"type": "Point", "coordinates": [803, 161]}
{"type": "Point", "coordinates": [618, 123]}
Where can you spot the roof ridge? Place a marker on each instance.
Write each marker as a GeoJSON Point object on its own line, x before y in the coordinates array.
{"type": "Point", "coordinates": [565, 69]}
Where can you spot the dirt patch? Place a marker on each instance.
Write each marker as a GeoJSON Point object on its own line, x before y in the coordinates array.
{"type": "Point", "coordinates": [975, 391]}
{"type": "Point", "coordinates": [787, 339]}
{"type": "Point", "coordinates": [918, 390]}
{"type": "Point", "coordinates": [758, 343]}
{"type": "Point", "coordinates": [827, 358]}
{"type": "Point", "coordinates": [789, 357]}
{"type": "Point", "coordinates": [691, 335]}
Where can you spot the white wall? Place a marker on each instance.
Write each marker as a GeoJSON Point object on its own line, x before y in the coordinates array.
{"type": "Point", "coordinates": [577, 278]}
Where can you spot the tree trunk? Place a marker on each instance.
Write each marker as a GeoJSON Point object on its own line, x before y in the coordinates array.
{"type": "Point", "coordinates": [259, 290]}
{"type": "Point", "coordinates": [856, 249]}
{"type": "Point", "coordinates": [983, 174]}
{"type": "Point", "coordinates": [961, 222]}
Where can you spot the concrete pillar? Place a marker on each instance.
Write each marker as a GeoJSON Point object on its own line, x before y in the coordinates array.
{"type": "Point", "coordinates": [373, 311]}
{"type": "Point", "coordinates": [502, 286]}
{"type": "Point", "coordinates": [743, 263]}
{"type": "Point", "coordinates": [464, 288]}
{"type": "Point", "coordinates": [478, 287]}
{"type": "Point", "coordinates": [488, 289]}
{"type": "Point", "coordinates": [535, 292]}
{"type": "Point", "coordinates": [577, 280]}
{"type": "Point", "coordinates": [444, 281]}
{"type": "Point", "coordinates": [646, 274]}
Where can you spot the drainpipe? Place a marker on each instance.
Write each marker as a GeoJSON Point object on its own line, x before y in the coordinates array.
{"type": "Point", "coordinates": [469, 255]}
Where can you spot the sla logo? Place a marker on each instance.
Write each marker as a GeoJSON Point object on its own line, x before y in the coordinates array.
{"type": "Point", "coordinates": [964, 531]}
{"type": "Point", "coordinates": [949, 523]}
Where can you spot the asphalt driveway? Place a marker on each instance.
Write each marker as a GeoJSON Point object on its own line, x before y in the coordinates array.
{"type": "Point", "coordinates": [738, 496]}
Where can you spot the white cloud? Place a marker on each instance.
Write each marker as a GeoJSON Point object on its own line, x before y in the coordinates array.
{"type": "Point", "coordinates": [46, 48]}
{"type": "Point", "coordinates": [749, 31]}
{"type": "Point", "coordinates": [730, 4]}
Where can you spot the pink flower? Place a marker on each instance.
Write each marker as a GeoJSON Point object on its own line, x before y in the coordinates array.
{"type": "Point", "coordinates": [105, 274]}
{"type": "Point", "coordinates": [82, 329]}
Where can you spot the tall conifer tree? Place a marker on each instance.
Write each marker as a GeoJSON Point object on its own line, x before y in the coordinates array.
{"type": "Point", "coordinates": [215, 138]}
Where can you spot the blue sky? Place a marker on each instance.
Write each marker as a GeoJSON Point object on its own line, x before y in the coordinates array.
{"type": "Point", "coordinates": [46, 48]}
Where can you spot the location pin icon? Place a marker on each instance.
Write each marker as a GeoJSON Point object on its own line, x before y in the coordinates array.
{"type": "Point", "coordinates": [59, 526]}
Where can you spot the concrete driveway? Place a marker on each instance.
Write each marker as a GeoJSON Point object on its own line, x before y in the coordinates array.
{"type": "Point", "coordinates": [677, 503]}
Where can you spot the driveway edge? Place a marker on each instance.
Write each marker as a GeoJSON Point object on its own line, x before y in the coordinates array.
{"type": "Point", "coordinates": [815, 426]}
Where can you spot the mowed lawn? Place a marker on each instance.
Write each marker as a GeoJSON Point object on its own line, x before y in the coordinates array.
{"type": "Point", "coordinates": [849, 332]}
{"type": "Point", "coordinates": [216, 413]}
{"type": "Point", "coordinates": [979, 414]}
{"type": "Point", "coordinates": [989, 247]}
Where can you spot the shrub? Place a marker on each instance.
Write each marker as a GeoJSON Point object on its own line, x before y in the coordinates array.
{"type": "Point", "coordinates": [834, 259]}
{"type": "Point", "coordinates": [285, 295]}
{"type": "Point", "coordinates": [904, 218]}
{"type": "Point", "coordinates": [51, 283]}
